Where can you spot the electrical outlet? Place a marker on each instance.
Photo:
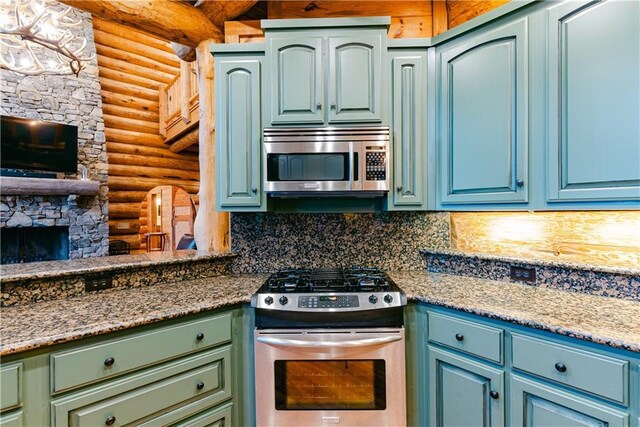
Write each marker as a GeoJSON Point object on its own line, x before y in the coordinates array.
{"type": "Point", "coordinates": [98, 283]}
{"type": "Point", "coordinates": [523, 274]}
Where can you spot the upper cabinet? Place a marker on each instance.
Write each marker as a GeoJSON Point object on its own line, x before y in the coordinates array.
{"type": "Point", "coordinates": [593, 101]}
{"type": "Point", "coordinates": [482, 136]}
{"type": "Point", "coordinates": [331, 75]}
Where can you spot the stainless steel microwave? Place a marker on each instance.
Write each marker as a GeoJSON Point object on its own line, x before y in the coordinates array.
{"type": "Point", "coordinates": [330, 161]}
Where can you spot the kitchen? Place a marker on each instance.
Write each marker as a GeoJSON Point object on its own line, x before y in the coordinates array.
{"type": "Point", "coordinates": [508, 268]}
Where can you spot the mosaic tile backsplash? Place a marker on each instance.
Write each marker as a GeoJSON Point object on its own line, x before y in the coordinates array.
{"type": "Point", "coordinates": [266, 242]}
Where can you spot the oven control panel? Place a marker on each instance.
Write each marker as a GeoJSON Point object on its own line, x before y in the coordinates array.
{"type": "Point", "coordinates": [376, 162]}
{"type": "Point", "coordinates": [328, 301]}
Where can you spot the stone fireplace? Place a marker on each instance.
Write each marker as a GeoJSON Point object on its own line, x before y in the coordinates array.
{"type": "Point", "coordinates": [71, 100]}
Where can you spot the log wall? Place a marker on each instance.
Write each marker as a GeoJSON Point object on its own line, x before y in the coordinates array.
{"type": "Point", "coordinates": [132, 66]}
{"type": "Point", "coordinates": [599, 237]}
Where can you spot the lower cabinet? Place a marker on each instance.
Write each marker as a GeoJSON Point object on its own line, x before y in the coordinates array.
{"type": "Point", "coordinates": [531, 379]}
{"type": "Point", "coordinates": [464, 392]}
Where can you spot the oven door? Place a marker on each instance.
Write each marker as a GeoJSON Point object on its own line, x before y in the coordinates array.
{"type": "Point", "coordinates": [312, 167]}
{"type": "Point", "coordinates": [330, 377]}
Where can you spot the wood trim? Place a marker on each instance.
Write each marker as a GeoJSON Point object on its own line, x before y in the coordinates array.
{"type": "Point", "coordinates": [440, 17]}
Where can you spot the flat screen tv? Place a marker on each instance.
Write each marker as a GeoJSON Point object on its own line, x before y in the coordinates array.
{"type": "Point", "coordinates": [38, 145]}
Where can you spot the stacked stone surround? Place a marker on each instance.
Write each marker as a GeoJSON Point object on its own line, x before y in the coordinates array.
{"type": "Point", "coordinates": [71, 100]}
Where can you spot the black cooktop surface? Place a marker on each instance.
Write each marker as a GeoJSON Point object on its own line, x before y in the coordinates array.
{"type": "Point", "coordinates": [318, 280]}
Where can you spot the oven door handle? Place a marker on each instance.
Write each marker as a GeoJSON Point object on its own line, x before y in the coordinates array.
{"type": "Point", "coordinates": [285, 342]}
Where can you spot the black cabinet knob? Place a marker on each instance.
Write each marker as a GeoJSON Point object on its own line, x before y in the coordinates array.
{"type": "Point", "coordinates": [520, 183]}
{"type": "Point", "coordinates": [254, 190]}
{"type": "Point", "coordinates": [494, 394]}
{"type": "Point", "coordinates": [459, 337]}
{"type": "Point", "coordinates": [399, 188]}
{"type": "Point", "coordinates": [561, 367]}
{"type": "Point", "coordinates": [109, 361]}
{"type": "Point", "coordinates": [200, 385]}
{"type": "Point", "coordinates": [200, 336]}
{"type": "Point", "coordinates": [110, 420]}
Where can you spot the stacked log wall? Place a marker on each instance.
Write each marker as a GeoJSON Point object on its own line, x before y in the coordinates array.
{"type": "Point", "coordinates": [132, 66]}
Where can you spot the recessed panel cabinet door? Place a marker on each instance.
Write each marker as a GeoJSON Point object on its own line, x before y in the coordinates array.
{"type": "Point", "coordinates": [296, 80]}
{"type": "Point", "coordinates": [238, 133]}
{"type": "Point", "coordinates": [409, 92]}
{"type": "Point", "coordinates": [594, 101]}
{"type": "Point", "coordinates": [355, 68]}
{"type": "Point", "coordinates": [536, 405]}
{"type": "Point", "coordinates": [483, 111]}
{"type": "Point", "coordinates": [464, 392]}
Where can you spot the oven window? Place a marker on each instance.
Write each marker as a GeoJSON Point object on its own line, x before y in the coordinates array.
{"type": "Point", "coordinates": [310, 167]}
{"type": "Point", "coordinates": [330, 384]}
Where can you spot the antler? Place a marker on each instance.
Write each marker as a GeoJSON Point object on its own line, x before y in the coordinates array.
{"type": "Point", "coordinates": [34, 24]}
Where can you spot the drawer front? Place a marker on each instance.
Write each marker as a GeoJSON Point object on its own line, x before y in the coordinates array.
{"type": "Point", "coordinates": [601, 375]}
{"type": "Point", "coordinates": [156, 397]}
{"type": "Point", "coordinates": [481, 341]}
{"type": "Point", "coordinates": [10, 385]}
{"type": "Point", "coordinates": [84, 365]}
{"type": "Point", "coordinates": [217, 417]}
{"type": "Point", "coordinates": [13, 419]}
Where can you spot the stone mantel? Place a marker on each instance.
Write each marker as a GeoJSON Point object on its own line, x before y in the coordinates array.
{"type": "Point", "coordinates": [12, 186]}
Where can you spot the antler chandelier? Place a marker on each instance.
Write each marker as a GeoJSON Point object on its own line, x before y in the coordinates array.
{"type": "Point", "coordinates": [28, 25]}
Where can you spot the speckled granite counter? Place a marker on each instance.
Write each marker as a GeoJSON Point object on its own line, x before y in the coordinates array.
{"type": "Point", "coordinates": [610, 321]}
{"type": "Point", "coordinates": [31, 326]}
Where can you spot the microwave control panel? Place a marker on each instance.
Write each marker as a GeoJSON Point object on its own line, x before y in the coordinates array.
{"type": "Point", "coordinates": [376, 166]}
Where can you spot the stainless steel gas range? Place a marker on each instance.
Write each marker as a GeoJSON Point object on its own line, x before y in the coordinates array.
{"type": "Point", "coordinates": [329, 349]}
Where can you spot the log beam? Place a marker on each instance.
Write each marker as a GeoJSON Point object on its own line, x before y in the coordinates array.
{"type": "Point", "coordinates": [174, 21]}
{"type": "Point", "coordinates": [211, 228]}
{"type": "Point", "coordinates": [185, 141]}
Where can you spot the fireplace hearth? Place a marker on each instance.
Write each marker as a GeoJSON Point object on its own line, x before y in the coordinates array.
{"type": "Point", "coordinates": [31, 244]}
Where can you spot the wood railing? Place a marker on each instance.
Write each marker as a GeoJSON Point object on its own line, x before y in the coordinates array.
{"type": "Point", "coordinates": [179, 103]}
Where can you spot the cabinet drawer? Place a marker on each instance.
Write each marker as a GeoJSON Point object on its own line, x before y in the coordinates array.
{"type": "Point", "coordinates": [10, 385]}
{"type": "Point", "coordinates": [601, 375]}
{"type": "Point", "coordinates": [146, 401]}
{"type": "Point", "coordinates": [479, 340]}
{"type": "Point", "coordinates": [13, 419]}
{"type": "Point", "coordinates": [217, 417]}
{"type": "Point", "coordinates": [87, 364]}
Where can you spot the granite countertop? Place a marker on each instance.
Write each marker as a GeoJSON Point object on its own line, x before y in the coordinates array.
{"type": "Point", "coordinates": [50, 269]}
{"type": "Point", "coordinates": [532, 261]}
{"type": "Point", "coordinates": [31, 326]}
{"type": "Point", "coordinates": [603, 320]}
{"type": "Point", "coordinates": [609, 321]}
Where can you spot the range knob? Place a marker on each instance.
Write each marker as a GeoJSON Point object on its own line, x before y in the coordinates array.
{"type": "Point", "coordinates": [373, 299]}
{"type": "Point", "coordinates": [283, 300]}
{"type": "Point", "coordinates": [388, 298]}
{"type": "Point", "coordinates": [268, 300]}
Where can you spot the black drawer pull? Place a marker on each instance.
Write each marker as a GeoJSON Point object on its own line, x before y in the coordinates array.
{"type": "Point", "coordinates": [200, 385]}
{"type": "Point", "coordinates": [560, 367]}
{"type": "Point", "coordinates": [494, 394]}
{"type": "Point", "coordinates": [200, 336]}
{"type": "Point", "coordinates": [109, 361]}
{"type": "Point", "coordinates": [459, 337]}
{"type": "Point", "coordinates": [110, 421]}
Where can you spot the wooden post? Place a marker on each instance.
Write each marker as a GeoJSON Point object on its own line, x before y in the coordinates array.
{"type": "Point", "coordinates": [440, 15]}
{"type": "Point", "coordinates": [211, 228]}
{"type": "Point", "coordinates": [185, 91]}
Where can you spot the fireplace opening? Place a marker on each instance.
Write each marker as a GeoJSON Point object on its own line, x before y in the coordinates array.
{"type": "Point", "coordinates": [31, 244]}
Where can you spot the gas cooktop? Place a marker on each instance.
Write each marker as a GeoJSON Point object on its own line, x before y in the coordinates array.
{"type": "Point", "coordinates": [328, 289]}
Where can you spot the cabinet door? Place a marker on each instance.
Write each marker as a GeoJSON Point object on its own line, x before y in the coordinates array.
{"type": "Point", "coordinates": [537, 405]}
{"type": "Point", "coordinates": [355, 68]}
{"type": "Point", "coordinates": [594, 106]}
{"type": "Point", "coordinates": [464, 392]}
{"type": "Point", "coordinates": [238, 132]}
{"type": "Point", "coordinates": [409, 92]}
{"type": "Point", "coordinates": [296, 80]}
{"type": "Point", "coordinates": [483, 110]}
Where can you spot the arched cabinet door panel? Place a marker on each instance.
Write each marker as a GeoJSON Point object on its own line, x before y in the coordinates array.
{"type": "Point", "coordinates": [594, 106]}
{"type": "Point", "coordinates": [483, 132]}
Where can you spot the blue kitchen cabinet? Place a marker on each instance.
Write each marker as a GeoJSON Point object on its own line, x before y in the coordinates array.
{"type": "Point", "coordinates": [297, 80]}
{"type": "Point", "coordinates": [593, 64]}
{"type": "Point", "coordinates": [483, 111]}
{"type": "Point", "coordinates": [409, 130]}
{"type": "Point", "coordinates": [464, 392]}
{"type": "Point", "coordinates": [238, 132]}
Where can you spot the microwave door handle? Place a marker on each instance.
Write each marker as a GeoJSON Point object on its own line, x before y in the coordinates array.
{"type": "Point", "coordinates": [351, 165]}
{"type": "Point", "coordinates": [285, 342]}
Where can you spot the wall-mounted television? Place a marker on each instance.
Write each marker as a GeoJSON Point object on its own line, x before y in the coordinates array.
{"type": "Point", "coordinates": [38, 145]}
